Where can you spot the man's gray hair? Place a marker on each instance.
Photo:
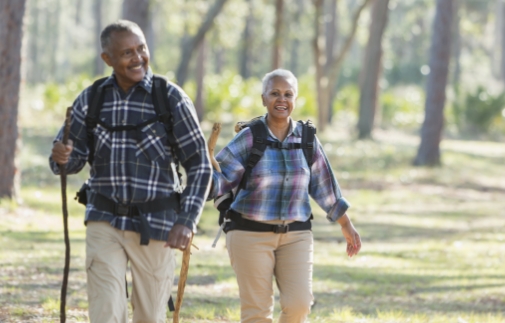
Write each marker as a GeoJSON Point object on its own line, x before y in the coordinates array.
{"type": "Point", "coordinates": [118, 26]}
{"type": "Point", "coordinates": [285, 74]}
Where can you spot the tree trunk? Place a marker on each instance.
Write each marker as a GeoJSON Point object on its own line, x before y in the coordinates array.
{"type": "Point", "coordinates": [456, 45]}
{"type": "Point", "coordinates": [278, 35]}
{"type": "Point", "coordinates": [139, 12]}
{"type": "Point", "coordinates": [200, 75]}
{"type": "Point", "coordinates": [295, 45]}
{"type": "Point", "coordinates": [11, 33]}
{"type": "Point", "coordinates": [191, 44]}
{"type": "Point", "coordinates": [245, 56]}
{"type": "Point", "coordinates": [371, 71]}
{"type": "Point", "coordinates": [99, 64]}
{"type": "Point", "coordinates": [440, 51]}
{"type": "Point", "coordinates": [327, 73]}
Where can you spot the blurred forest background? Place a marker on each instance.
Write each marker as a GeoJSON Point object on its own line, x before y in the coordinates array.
{"type": "Point", "coordinates": [392, 85]}
{"type": "Point", "coordinates": [362, 65]}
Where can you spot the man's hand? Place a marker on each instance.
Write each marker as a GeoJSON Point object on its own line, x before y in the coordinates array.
{"type": "Point", "coordinates": [179, 237]}
{"type": "Point", "coordinates": [351, 236]}
{"type": "Point", "coordinates": [61, 153]}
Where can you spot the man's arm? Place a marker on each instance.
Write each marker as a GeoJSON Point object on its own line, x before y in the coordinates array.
{"type": "Point", "coordinates": [75, 153]}
{"type": "Point", "coordinates": [192, 152]}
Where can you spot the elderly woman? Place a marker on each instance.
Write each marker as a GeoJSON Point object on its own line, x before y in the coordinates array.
{"type": "Point", "coordinates": [277, 195]}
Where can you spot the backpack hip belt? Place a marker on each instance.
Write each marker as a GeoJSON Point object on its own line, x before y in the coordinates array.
{"type": "Point", "coordinates": [136, 210]}
{"type": "Point", "coordinates": [239, 223]}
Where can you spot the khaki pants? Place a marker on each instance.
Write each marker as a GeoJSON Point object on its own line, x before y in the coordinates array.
{"type": "Point", "coordinates": [107, 252]}
{"type": "Point", "coordinates": [256, 257]}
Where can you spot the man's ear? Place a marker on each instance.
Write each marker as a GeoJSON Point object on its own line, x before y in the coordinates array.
{"type": "Point", "coordinates": [263, 100]}
{"type": "Point", "coordinates": [106, 58]}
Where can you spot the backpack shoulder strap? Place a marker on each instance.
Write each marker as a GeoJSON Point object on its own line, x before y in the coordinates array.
{"type": "Point", "coordinates": [308, 140]}
{"type": "Point", "coordinates": [95, 102]}
{"type": "Point", "coordinates": [260, 135]}
{"type": "Point", "coordinates": [160, 100]}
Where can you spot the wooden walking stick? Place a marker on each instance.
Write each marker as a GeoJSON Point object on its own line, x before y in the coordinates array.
{"type": "Point", "coordinates": [63, 178]}
{"type": "Point", "coordinates": [183, 276]}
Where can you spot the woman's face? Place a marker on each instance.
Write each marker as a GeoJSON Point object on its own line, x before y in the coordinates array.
{"type": "Point", "coordinates": [279, 98]}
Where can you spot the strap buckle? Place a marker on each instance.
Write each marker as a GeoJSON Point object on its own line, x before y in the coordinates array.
{"type": "Point", "coordinates": [281, 228]}
{"type": "Point", "coordinates": [122, 210]}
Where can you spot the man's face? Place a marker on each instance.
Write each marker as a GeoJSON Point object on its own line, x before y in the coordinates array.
{"type": "Point", "coordinates": [128, 56]}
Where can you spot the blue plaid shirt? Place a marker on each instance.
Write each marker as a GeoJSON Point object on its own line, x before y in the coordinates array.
{"type": "Point", "coordinates": [281, 182]}
{"type": "Point", "coordinates": [135, 166]}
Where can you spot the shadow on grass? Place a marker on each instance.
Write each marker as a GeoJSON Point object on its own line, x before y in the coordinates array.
{"type": "Point", "coordinates": [370, 289]}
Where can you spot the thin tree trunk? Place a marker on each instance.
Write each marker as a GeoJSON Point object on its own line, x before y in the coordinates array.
{"type": "Point", "coordinates": [456, 45]}
{"type": "Point", "coordinates": [245, 56]}
{"type": "Point", "coordinates": [200, 76]}
{"type": "Point", "coordinates": [327, 75]}
{"type": "Point", "coordinates": [440, 53]}
{"type": "Point", "coordinates": [295, 45]}
{"type": "Point", "coordinates": [370, 74]}
{"type": "Point", "coordinates": [278, 35]}
{"type": "Point", "coordinates": [99, 64]}
{"type": "Point", "coordinates": [11, 33]}
{"type": "Point", "coordinates": [191, 44]}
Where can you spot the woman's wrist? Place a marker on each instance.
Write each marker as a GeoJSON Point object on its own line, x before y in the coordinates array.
{"type": "Point", "coordinates": [344, 220]}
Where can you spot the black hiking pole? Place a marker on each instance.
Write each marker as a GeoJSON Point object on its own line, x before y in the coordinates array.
{"type": "Point", "coordinates": [63, 178]}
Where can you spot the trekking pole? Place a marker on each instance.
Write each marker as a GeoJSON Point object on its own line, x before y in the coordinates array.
{"type": "Point", "coordinates": [183, 276]}
{"type": "Point", "coordinates": [63, 178]}
{"type": "Point", "coordinates": [216, 129]}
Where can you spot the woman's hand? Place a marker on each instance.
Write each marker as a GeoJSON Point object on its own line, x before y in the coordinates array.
{"type": "Point", "coordinates": [351, 235]}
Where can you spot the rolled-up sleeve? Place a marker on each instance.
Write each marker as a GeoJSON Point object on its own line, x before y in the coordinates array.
{"type": "Point", "coordinates": [324, 188]}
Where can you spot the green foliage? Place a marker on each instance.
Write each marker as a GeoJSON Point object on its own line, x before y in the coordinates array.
{"type": "Point", "coordinates": [347, 99]}
{"type": "Point", "coordinates": [56, 97]}
{"type": "Point", "coordinates": [402, 107]}
{"type": "Point", "coordinates": [477, 111]}
{"type": "Point", "coordinates": [306, 104]}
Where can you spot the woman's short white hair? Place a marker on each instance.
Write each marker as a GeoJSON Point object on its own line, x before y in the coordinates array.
{"type": "Point", "coordinates": [285, 74]}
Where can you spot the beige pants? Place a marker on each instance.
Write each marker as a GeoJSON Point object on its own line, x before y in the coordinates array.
{"type": "Point", "coordinates": [107, 252]}
{"type": "Point", "coordinates": [256, 257]}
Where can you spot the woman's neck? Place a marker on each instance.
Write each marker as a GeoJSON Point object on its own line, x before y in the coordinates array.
{"type": "Point", "coordinates": [279, 128]}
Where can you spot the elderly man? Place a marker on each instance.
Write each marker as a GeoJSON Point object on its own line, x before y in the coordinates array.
{"type": "Point", "coordinates": [134, 211]}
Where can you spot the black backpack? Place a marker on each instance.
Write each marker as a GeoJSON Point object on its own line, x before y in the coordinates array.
{"type": "Point", "coordinates": [260, 142]}
{"type": "Point", "coordinates": [95, 103]}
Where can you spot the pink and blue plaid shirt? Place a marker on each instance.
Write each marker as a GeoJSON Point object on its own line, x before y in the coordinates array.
{"type": "Point", "coordinates": [281, 183]}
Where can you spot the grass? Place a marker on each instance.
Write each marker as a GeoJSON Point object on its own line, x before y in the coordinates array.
{"type": "Point", "coordinates": [433, 241]}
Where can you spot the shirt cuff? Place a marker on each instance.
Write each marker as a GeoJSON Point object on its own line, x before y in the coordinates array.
{"type": "Point", "coordinates": [186, 220]}
{"type": "Point", "coordinates": [338, 209]}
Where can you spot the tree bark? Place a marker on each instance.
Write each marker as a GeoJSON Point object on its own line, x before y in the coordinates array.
{"type": "Point", "coordinates": [327, 73]}
{"type": "Point", "coordinates": [370, 74]}
{"type": "Point", "coordinates": [200, 76]}
{"type": "Point", "coordinates": [139, 12]}
{"type": "Point", "coordinates": [245, 56]}
{"type": "Point", "coordinates": [99, 64]}
{"type": "Point", "coordinates": [278, 35]}
{"type": "Point", "coordinates": [295, 45]}
{"type": "Point", "coordinates": [440, 51]}
{"type": "Point", "coordinates": [191, 44]}
{"type": "Point", "coordinates": [11, 33]}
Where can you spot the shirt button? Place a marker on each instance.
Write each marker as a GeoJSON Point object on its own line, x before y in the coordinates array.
{"type": "Point", "coordinates": [123, 121]}
{"type": "Point", "coordinates": [287, 179]}
{"type": "Point", "coordinates": [122, 162]}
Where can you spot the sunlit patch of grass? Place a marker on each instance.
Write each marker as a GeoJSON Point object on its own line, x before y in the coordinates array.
{"type": "Point", "coordinates": [51, 305]}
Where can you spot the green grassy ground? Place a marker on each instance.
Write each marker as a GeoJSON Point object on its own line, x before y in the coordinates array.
{"type": "Point", "coordinates": [433, 241]}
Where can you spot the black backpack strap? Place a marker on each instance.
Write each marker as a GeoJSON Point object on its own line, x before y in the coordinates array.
{"type": "Point", "coordinates": [308, 140]}
{"type": "Point", "coordinates": [95, 102]}
{"type": "Point", "coordinates": [260, 133]}
{"type": "Point", "coordinates": [160, 101]}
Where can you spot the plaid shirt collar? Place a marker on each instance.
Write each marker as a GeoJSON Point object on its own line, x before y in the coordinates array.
{"type": "Point", "coordinates": [146, 82]}
{"type": "Point", "coordinates": [293, 129]}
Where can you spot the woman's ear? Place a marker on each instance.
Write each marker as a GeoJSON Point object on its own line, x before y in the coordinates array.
{"type": "Point", "coordinates": [106, 58]}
